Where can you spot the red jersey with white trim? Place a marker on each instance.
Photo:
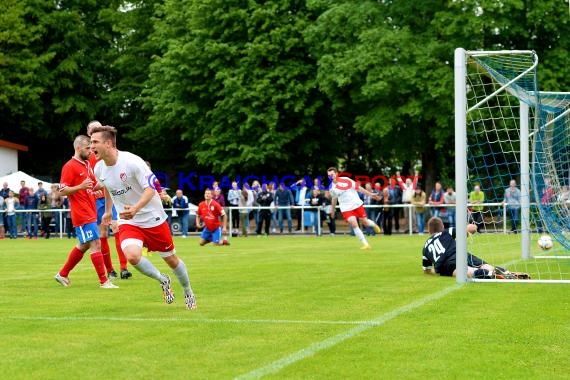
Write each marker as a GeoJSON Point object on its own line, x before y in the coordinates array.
{"type": "Point", "coordinates": [82, 202]}
{"type": "Point", "coordinates": [126, 181]}
{"type": "Point", "coordinates": [93, 162]}
{"type": "Point", "coordinates": [210, 214]}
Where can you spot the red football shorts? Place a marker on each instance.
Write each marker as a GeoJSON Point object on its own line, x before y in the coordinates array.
{"type": "Point", "coordinates": [357, 212]}
{"type": "Point", "coordinates": [156, 239]}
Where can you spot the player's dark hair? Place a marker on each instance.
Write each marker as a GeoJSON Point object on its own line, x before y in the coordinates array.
{"type": "Point", "coordinates": [107, 133]}
{"type": "Point", "coordinates": [435, 225]}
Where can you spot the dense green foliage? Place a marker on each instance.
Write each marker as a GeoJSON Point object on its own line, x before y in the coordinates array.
{"type": "Point", "coordinates": [264, 87]}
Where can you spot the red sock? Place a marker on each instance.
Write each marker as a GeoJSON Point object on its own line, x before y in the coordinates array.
{"type": "Point", "coordinates": [122, 258]}
{"type": "Point", "coordinates": [106, 251]}
{"type": "Point", "coordinates": [74, 257]}
{"type": "Point", "coordinates": [99, 264]}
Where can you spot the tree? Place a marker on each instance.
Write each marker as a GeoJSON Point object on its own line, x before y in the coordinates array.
{"type": "Point", "coordinates": [237, 84]}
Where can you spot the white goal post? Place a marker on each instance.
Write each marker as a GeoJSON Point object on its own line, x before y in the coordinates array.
{"type": "Point", "coordinates": [503, 132]}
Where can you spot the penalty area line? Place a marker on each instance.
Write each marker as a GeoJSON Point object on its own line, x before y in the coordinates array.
{"type": "Point", "coordinates": [304, 353]}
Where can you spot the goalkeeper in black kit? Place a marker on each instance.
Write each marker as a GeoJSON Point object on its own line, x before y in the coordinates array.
{"type": "Point", "coordinates": [439, 255]}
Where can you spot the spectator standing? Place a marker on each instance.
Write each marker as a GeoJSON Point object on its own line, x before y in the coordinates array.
{"type": "Point", "coordinates": [23, 193]}
{"type": "Point", "coordinates": [5, 193]}
{"type": "Point", "coordinates": [387, 202]}
{"type": "Point", "coordinates": [45, 215]}
{"type": "Point", "coordinates": [371, 212]}
{"type": "Point", "coordinates": [32, 215]}
{"type": "Point", "coordinates": [316, 202]}
{"type": "Point", "coordinates": [12, 204]}
{"type": "Point", "coordinates": [2, 212]}
{"type": "Point", "coordinates": [254, 213]}
{"type": "Point", "coordinates": [218, 196]}
{"type": "Point", "coordinates": [56, 201]}
{"type": "Point", "coordinates": [330, 213]}
{"type": "Point", "coordinates": [477, 198]}
{"type": "Point", "coordinates": [264, 199]}
{"type": "Point", "coordinates": [283, 201]}
{"type": "Point", "coordinates": [245, 204]}
{"type": "Point", "coordinates": [436, 200]}
{"type": "Point", "coordinates": [272, 190]}
{"type": "Point", "coordinates": [300, 192]}
{"type": "Point", "coordinates": [563, 198]}
{"type": "Point", "coordinates": [396, 194]}
{"type": "Point", "coordinates": [233, 200]}
{"type": "Point", "coordinates": [512, 200]}
{"type": "Point", "coordinates": [419, 202]}
{"type": "Point", "coordinates": [408, 193]}
{"type": "Point", "coordinates": [41, 191]}
{"type": "Point", "coordinates": [545, 202]}
{"type": "Point", "coordinates": [449, 198]}
{"type": "Point", "coordinates": [180, 204]}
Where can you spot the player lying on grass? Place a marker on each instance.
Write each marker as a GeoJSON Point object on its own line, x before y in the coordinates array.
{"type": "Point", "coordinates": [439, 255]}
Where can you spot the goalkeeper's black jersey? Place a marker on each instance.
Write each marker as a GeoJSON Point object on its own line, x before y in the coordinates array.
{"type": "Point", "coordinates": [438, 249]}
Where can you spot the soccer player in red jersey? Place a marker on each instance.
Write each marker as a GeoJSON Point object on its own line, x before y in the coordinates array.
{"type": "Point", "coordinates": [104, 228]}
{"type": "Point", "coordinates": [130, 187]}
{"type": "Point", "coordinates": [77, 183]}
{"type": "Point", "coordinates": [210, 212]}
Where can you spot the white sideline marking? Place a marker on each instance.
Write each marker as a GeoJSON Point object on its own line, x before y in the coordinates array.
{"type": "Point", "coordinates": [186, 320]}
{"type": "Point", "coordinates": [279, 364]}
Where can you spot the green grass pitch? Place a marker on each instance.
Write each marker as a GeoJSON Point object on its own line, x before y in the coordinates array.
{"type": "Point", "coordinates": [277, 308]}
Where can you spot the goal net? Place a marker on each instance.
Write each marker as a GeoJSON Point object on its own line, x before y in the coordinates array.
{"type": "Point", "coordinates": [512, 143]}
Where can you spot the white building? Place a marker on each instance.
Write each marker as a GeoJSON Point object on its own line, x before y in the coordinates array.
{"type": "Point", "coordinates": [9, 156]}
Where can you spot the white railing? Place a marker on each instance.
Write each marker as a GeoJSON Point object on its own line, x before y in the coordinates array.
{"type": "Point", "coordinates": [495, 215]}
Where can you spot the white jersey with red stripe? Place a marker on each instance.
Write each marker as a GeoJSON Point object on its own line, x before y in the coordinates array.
{"type": "Point", "coordinates": [126, 181]}
{"type": "Point", "coordinates": [345, 190]}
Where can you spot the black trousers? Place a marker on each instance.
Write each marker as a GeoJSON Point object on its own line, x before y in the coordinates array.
{"type": "Point", "coordinates": [265, 220]}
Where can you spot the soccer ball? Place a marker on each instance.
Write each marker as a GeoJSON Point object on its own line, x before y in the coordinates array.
{"type": "Point", "coordinates": [545, 242]}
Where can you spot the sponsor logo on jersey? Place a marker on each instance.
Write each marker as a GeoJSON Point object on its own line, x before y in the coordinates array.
{"type": "Point", "coordinates": [121, 192]}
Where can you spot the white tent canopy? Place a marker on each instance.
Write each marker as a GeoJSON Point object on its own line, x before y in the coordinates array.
{"type": "Point", "coordinates": [14, 179]}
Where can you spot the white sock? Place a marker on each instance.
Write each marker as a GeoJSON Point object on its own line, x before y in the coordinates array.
{"type": "Point", "coordinates": [370, 222]}
{"type": "Point", "coordinates": [182, 275]}
{"type": "Point", "coordinates": [145, 267]}
{"type": "Point", "coordinates": [360, 235]}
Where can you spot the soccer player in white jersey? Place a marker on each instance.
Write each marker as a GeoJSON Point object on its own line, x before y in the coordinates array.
{"type": "Point", "coordinates": [142, 220]}
{"type": "Point", "coordinates": [346, 191]}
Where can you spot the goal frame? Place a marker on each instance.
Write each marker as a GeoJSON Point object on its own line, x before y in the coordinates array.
{"type": "Point", "coordinates": [461, 111]}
